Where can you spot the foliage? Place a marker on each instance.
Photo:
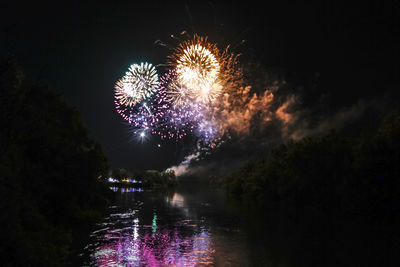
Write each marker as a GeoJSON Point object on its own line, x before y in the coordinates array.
{"type": "Point", "coordinates": [329, 172]}
{"type": "Point", "coordinates": [154, 178]}
{"type": "Point", "coordinates": [120, 174]}
{"type": "Point", "coordinates": [49, 170]}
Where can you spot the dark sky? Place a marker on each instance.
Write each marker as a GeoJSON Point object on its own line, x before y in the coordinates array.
{"type": "Point", "coordinates": [81, 49]}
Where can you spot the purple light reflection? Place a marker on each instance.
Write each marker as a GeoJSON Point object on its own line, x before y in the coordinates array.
{"type": "Point", "coordinates": [159, 249]}
{"type": "Point", "coordinates": [126, 189]}
{"type": "Point", "coordinates": [136, 245]}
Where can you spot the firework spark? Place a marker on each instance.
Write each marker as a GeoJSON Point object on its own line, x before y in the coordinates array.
{"type": "Point", "coordinates": [175, 114]}
{"type": "Point", "coordinates": [137, 86]}
{"type": "Point", "coordinates": [202, 94]}
{"type": "Point", "coordinates": [188, 99]}
{"type": "Point", "coordinates": [197, 65]}
{"type": "Point", "coordinates": [175, 93]}
{"type": "Point", "coordinates": [139, 83]}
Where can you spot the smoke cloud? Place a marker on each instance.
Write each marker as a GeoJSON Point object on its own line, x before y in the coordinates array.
{"type": "Point", "coordinates": [183, 167]}
{"type": "Point", "coordinates": [252, 123]}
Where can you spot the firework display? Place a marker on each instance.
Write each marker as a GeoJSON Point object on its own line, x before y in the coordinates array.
{"type": "Point", "coordinates": [139, 83]}
{"type": "Point", "coordinates": [175, 114]}
{"type": "Point", "coordinates": [137, 86]}
{"type": "Point", "coordinates": [188, 98]}
{"type": "Point", "coordinates": [197, 69]}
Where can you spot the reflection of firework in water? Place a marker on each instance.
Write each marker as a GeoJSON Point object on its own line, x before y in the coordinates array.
{"type": "Point", "coordinates": [187, 243]}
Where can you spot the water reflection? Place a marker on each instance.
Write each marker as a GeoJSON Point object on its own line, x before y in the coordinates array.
{"type": "Point", "coordinates": [128, 238]}
{"type": "Point", "coordinates": [176, 200]}
{"type": "Point", "coordinates": [195, 228]}
{"type": "Point", "coordinates": [125, 189]}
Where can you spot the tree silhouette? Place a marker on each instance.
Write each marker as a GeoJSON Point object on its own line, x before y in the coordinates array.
{"type": "Point", "coordinates": [357, 174]}
{"type": "Point", "coordinates": [49, 171]}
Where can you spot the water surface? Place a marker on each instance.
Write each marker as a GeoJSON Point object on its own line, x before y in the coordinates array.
{"type": "Point", "coordinates": [199, 227]}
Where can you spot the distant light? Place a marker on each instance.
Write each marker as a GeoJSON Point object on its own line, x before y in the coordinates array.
{"type": "Point", "coordinates": [112, 180]}
{"type": "Point", "coordinates": [142, 134]}
{"type": "Point", "coordinates": [158, 145]}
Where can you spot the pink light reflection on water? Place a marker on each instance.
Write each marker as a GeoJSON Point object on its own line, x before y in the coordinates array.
{"type": "Point", "coordinates": [163, 248]}
{"type": "Point", "coordinates": [155, 250]}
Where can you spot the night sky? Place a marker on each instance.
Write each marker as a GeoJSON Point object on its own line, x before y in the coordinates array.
{"type": "Point", "coordinates": [82, 49]}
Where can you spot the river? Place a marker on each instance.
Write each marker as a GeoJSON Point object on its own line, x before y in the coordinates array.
{"type": "Point", "coordinates": [195, 226]}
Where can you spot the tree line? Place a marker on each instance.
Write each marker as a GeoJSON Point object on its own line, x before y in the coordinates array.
{"type": "Point", "coordinates": [357, 174]}
{"type": "Point", "coordinates": [49, 169]}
